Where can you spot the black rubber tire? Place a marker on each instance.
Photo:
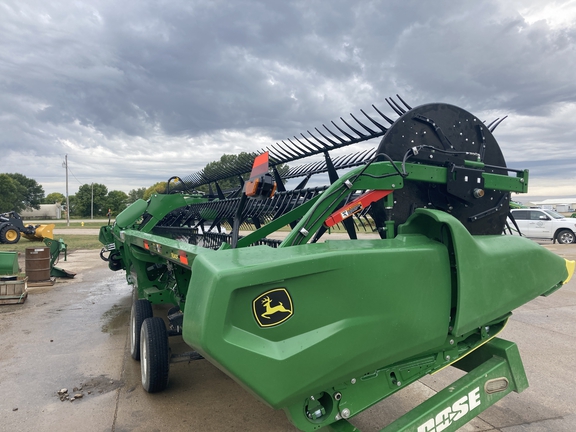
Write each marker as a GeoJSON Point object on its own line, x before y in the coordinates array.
{"type": "Point", "coordinates": [155, 355]}
{"type": "Point", "coordinates": [565, 236]}
{"type": "Point", "coordinates": [9, 234]}
{"type": "Point", "coordinates": [141, 309]}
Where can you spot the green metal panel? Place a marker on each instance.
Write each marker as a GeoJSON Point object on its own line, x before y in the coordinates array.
{"type": "Point", "coordinates": [8, 263]}
{"type": "Point", "coordinates": [131, 213]}
{"type": "Point", "coordinates": [495, 274]}
{"type": "Point", "coordinates": [357, 306]}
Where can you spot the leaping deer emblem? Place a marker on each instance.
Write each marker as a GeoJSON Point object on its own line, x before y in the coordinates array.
{"type": "Point", "coordinates": [266, 301]}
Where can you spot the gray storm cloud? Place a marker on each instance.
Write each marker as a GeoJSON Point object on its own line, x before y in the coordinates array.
{"type": "Point", "coordinates": [137, 91]}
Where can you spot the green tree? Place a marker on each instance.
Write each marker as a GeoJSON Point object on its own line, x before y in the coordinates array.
{"type": "Point", "coordinates": [159, 187]}
{"type": "Point", "coordinates": [28, 193]}
{"type": "Point", "coordinates": [72, 200]}
{"type": "Point", "coordinates": [136, 194]}
{"type": "Point", "coordinates": [116, 201]}
{"type": "Point", "coordinates": [54, 197]}
{"type": "Point", "coordinates": [83, 200]}
{"type": "Point", "coordinates": [8, 193]}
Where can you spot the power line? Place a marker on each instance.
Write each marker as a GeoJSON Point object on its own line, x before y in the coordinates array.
{"type": "Point", "coordinates": [79, 182]}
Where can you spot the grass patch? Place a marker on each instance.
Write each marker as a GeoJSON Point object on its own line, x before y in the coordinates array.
{"type": "Point", "coordinates": [79, 225]}
{"type": "Point", "coordinates": [73, 242]}
{"type": "Point", "coordinates": [59, 224]}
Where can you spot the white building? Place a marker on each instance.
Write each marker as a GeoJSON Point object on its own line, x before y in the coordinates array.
{"type": "Point", "coordinates": [561, 205]}
{"type": "Point", "coordinates": [46, 211]}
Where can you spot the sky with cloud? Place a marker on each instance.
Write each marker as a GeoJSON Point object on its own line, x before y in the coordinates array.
{"type": "Point", "coordinates": [135, 92]}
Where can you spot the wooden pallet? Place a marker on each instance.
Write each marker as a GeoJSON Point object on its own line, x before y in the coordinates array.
{"type": "Point", "coordinates": [13, 291]}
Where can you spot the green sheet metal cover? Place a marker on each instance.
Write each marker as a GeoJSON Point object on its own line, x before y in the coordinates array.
{"type": "Point", "coordinates": [131, 213]}
{"type": "Point", "coordinates": [495, 274]}
{"type": "Point", "coordinates": [288, 322]}
{"type": "Point", "coordinates": [8, 263]}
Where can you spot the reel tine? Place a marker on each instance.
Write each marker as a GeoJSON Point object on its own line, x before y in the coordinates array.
{"type": "Point", "coordinates": [324, 145]}
{"type": "Point", "coordinates": [345, 159]}
{"type": "Point", "coordinates": [402, 100]}
{"type": "Point", "coordinates": [394, 107]}
{"type": "Point", "coordinates": [308, 141]}
{"type": "Point", "coordinates": [326, 138]}
{"type": "Point", "coordinates": [342, 130]}
{"type": "Point", "coordinates": [350, 228]}
{"type": "Point", "coordinates": [308, 149]}
{"type": "Point", "coordinates": [282, 152]}
{"type": "Point", "coordinates": [295, 150]}
{"type": "Point", "coordinates": [496, 125]}
{"type": "Point", "coordinates": [342, 140]}
{"type": "Point", "coordinates": [384, 116]}
{"type": "Point", "coordinates": [378, 125]}
{"type": "Point", "coordinates": [272, 158]}
{"type": "Point", "coordinates": [492, 122]}
{"type": "Point", "coordinates": [361, 124]}
{"type": "Point", "coordinates": [360, 134]}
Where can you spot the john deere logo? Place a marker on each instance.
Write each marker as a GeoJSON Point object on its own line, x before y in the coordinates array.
{"type": "Point", "coordinates": [273, 307]}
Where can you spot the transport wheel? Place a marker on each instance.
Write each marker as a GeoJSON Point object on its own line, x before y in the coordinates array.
{"type": "Point", "coordinates": [565, 237]}
{"type": "Point", "coordinates": [9, 234]}
{"type": "Point", "coordinates": [154, 355]}
{"type": "Point", "coordinates": [141, 309]}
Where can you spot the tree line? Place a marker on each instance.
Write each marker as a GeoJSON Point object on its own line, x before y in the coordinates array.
{"type": "Point", "coordinates": [18, 192]}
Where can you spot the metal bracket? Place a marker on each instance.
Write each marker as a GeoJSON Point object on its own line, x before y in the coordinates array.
{"type": "Point", "coordinates": [465, 183]}
{"type": "Point", "coordinates": [493, 210]}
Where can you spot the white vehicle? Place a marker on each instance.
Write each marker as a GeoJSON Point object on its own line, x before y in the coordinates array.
{"type": "Point", "coordinates": [545, 224]}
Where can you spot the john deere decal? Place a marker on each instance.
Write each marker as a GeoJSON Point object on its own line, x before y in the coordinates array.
{"type": "Point", "coordinates": [272, 307]}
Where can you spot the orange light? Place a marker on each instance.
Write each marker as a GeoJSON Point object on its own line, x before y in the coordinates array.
{"type": "Point", "coordinates": [183, 257]}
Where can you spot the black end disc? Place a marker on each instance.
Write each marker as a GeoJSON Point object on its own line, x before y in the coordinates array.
{"type": "Point", "coordinates": [451, 129]}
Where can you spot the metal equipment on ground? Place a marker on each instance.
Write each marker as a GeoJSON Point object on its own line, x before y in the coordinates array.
{"type": "Point", "coordinates": [13, 288]}
{"type": "Point", "coordinates": [8, 263]}
{"type": "Point", "coordinates": [56, 248]}
{"type": "Point", "coordinates": [326, 330]}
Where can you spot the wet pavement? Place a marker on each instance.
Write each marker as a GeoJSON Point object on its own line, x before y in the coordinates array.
{"type": "Point", "coordinates": [75, 334]}
{"type": "Point", "coordinates": [69, 335]}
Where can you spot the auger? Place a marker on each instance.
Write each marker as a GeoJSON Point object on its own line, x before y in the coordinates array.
{"type": "Point", "coordinates": [324, 330]}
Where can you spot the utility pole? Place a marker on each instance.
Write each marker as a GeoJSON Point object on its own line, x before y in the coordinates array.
{"type": "Point", "coordinates": [92, 204]}
{"type": "Point", "coordinates": [67, 199]}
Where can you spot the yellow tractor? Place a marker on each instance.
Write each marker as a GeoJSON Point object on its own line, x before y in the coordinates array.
{"type": "Point", "coordinates": [12, 228]}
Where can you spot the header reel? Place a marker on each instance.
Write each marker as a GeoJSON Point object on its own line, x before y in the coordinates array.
{"type": "Point", "coordinates": [433, 134]}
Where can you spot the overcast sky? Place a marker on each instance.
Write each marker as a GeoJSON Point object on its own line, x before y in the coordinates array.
{"type": "Point", "coordinates": [137, 91]}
